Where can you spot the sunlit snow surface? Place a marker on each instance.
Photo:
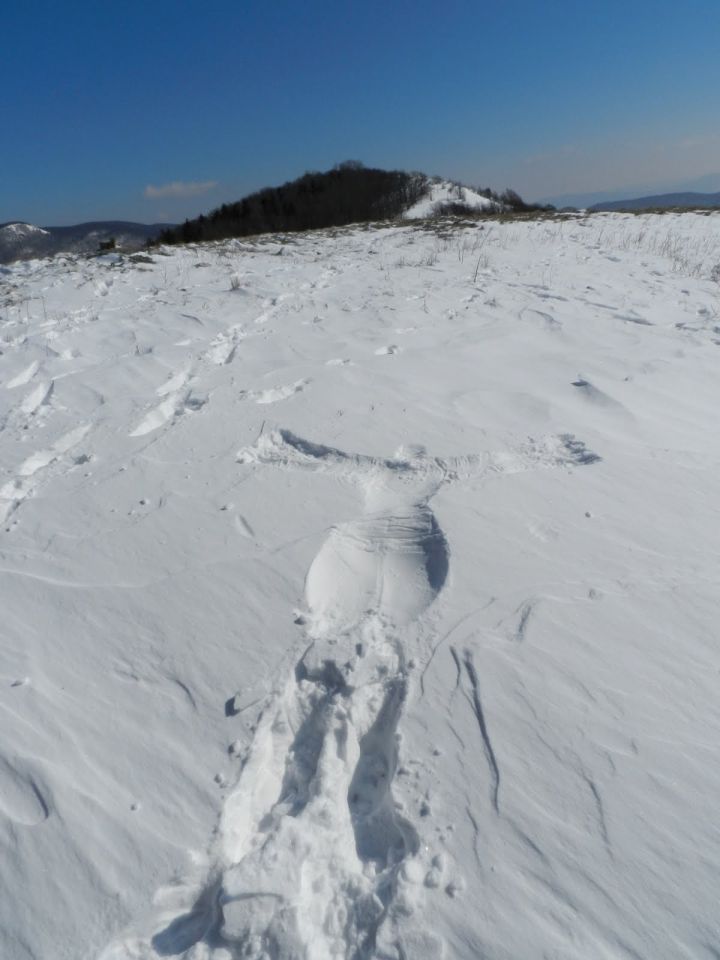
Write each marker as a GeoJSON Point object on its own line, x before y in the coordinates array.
{"type": "Point", "coordinates": [20, 230]}
{"type": "Point", "coordinates": [360, 596]}
{"type": "Point", "coordinates": [442, 192]}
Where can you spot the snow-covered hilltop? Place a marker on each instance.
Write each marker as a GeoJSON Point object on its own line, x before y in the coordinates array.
{"type": "Point", "coordinates": [349, 193]}
{"type": "Point", "coordinates": [18, 232]}
{"type": "Point", "coordinates": [19, 239]}
{"type": "Point", "coordinates": [443, 193]}
{"type": "Point", "coordinates": [359, 596]}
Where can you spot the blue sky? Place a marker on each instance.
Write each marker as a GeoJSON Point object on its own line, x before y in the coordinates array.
{"type": "Point", "coordinates": [163, 109]}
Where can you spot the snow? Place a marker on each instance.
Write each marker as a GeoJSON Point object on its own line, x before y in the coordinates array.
{"type": "Point", "coordinates": [442, 192]}
{"type": "Point", "coordinates": [19, 231]}
{"type": "Point", "coordinates": [362, 601]}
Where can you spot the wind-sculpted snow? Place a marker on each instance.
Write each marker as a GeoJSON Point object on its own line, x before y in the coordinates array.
{"type": "Point", "coordinates": [315, 699]}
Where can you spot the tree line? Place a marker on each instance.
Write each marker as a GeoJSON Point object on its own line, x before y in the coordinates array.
{"type": "Point", "coordinates": [349, 193]}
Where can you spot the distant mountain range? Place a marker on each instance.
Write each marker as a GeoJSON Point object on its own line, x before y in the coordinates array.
{"type": "Point", "coordinates": [709, 183]}
{"type": "Point", "coordinates": [663, 201]}
{"type": "Point", "coordinates": [24, 241]}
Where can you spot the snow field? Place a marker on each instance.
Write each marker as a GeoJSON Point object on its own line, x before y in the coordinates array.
{"type": "Point", "coordinates": [359, 596]}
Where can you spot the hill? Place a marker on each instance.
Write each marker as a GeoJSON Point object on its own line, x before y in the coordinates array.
{"type": "Point", "coordinates": [349, 193]}
{"type": "Point", "coordinates": [25, 241]}
{"type": "Point", "coordinates": [685, 200]}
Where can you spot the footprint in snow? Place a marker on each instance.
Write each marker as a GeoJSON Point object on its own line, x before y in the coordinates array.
{"type": "Point", "coordinates": [24, 376]}
{"type": "Point", "coordinates": [38, 398]}
{"type": "Point", "coordinates": [156, 417]}
{"type": "Point", "coordinates": [17, 490]}
{"type": "Point", "coordinates": [596, 396]}
{"type": "Point", "coordinates": [176, 382]}
{"type": "Point", "coordinates": [177, 400]}
{"type": "Point", "coordinates": [275, 394]}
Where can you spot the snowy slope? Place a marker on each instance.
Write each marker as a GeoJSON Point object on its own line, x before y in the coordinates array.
{"type": "Point", "coordinates": [18, 239]}
{"type": "Point", "coordinates": [360, 594]}
{"type": "Point", "coordinates": [441, 192]}
{"type": "Point", "coordinates": [20, 231]}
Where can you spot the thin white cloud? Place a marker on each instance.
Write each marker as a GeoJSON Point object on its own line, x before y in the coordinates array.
{"type": "Point", "coordinates": [692, 143]}
{"type": "Point", "coordinates": [180, 188]}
